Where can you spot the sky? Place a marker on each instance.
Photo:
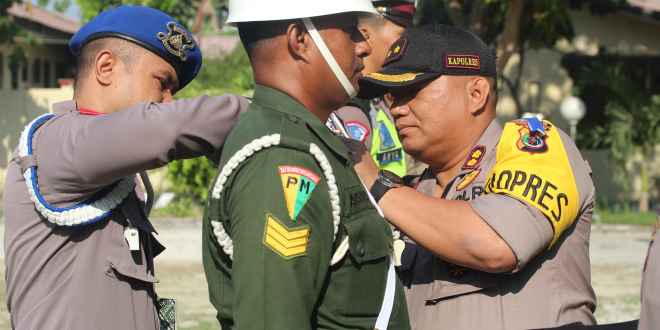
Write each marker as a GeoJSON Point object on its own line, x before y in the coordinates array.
{"type": "Point", "coordinates": [73, 12]}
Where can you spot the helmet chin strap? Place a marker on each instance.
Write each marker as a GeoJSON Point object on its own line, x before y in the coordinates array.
{"type": "Point", "coordinates": [327, 55]}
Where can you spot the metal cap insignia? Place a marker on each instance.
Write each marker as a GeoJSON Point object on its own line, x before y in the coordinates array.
{"type": "Point", "coordinates": [176, 41]}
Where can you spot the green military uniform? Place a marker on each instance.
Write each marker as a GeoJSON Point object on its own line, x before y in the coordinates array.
{"type": "Point", "coordinates": [285, 199]}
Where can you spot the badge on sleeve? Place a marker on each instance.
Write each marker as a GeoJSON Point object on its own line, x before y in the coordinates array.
{"type": "Point", "coordinates": [533, 134]}
{"type": "Point", "coordinates": [357, 130]}
{"type": "Point", "coordinates": [287, 242]}
{"type": "Point", "coordinates": [298, 184]}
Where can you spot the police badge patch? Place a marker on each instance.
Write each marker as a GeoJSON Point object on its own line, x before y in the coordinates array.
{"type": "Point", "coordinates": [357, 130]}
{"type": "Point", "coordinates": [533, 133]}
{"type": "Point", "coordinates": [176, 41]}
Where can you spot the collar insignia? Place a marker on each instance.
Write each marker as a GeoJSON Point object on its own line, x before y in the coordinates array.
{"type": "Point", "coordinates": [467, 179]}
{"type": "Point", "coordinates": [396, 51]}
{"type": "Point", "coordinates": [474, 159]}
{"type": "Point", "coordinates": [176, 41]}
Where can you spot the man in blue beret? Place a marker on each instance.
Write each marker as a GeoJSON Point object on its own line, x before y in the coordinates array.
{"type": "Point", "coordinates": [78, 243]}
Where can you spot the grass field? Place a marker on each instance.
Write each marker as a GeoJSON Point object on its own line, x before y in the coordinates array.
{"type": "Point", "coordinates": [630, 218]}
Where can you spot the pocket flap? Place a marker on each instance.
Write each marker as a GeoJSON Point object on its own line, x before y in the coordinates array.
{"type": "Point", "coordinates": [451, 280]}
{"type": "Point", "coordinates": [369, 236]}
{"type": "Point", "coordinates": [129, 269]}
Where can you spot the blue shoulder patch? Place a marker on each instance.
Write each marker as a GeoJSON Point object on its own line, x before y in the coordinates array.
{"type": "Point", "coordinates": [357, 130]}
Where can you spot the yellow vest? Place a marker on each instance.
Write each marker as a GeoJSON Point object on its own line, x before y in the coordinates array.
{"type": "Point", "coordinates": [386, 148]}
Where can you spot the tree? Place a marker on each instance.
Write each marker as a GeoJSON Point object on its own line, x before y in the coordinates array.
{"type": "Point", "coordinates": [629, 92]}
{"type": "Point", "coordinates": [182, 10]}
{"type": "Point", "coordinates": [513, 27]}
{"type": "Point", "coordinates": [10, 33]}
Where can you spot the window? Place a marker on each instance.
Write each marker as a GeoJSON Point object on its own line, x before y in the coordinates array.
{"type": "Point", "coordinates": [47, 77]}
{"type": "Point", "coordinates": [36, 72]}
{"type": "Point", "coordinates": [15, 70]}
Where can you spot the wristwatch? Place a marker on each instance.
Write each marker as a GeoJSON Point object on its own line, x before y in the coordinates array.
{"type": "Point", "coordinates": [386, 180]}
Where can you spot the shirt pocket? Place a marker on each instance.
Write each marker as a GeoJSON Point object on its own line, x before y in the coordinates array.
{"type": "Point", "coordinates": [357, 284]}
{"type": "Point", "coordinates": [451, 280]}
{"type": "Point", "coordinates": [122, 263]}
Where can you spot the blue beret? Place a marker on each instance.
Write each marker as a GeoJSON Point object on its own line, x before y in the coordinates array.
{"type": "Point", "coordinates": [149, 28]}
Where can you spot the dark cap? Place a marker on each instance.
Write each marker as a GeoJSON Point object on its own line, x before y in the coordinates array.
{"type": "Point", "coordinates": [400, 12]}
{"type": "Point", "coordinates": [425, 53]}
{"type": "Point", "coordinates": [150, 28]}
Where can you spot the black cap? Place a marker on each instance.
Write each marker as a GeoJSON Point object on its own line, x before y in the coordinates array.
{"type": "Point", "coordinates": [400, 12]}
{"type": "Point", "coordinates": [425, 53]}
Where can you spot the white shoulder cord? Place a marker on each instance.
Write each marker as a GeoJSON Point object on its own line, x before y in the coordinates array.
{"type": "Point", "coordinates": [80, 214]}
{"type": "Point", "coordinates": [329, 58]}
{"type": "Point", "coordinates": [250, 149]}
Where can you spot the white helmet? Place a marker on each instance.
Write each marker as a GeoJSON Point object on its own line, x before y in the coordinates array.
{"type": "Point", "coordinates": [242, 11]}
{"type": "Point", "coordinates": [271, 10]}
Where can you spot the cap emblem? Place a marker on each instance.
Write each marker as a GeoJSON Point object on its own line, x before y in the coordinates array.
{"type": "Point", "coordinates": [176, 41]}
{"type": "Point", "coordinates": [463, 62]}
{"type": "Point", "coordinates": [396, 51]}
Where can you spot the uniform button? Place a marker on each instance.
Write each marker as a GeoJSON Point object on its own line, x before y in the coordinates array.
{"type": "Point", "coordinates": [361, 250]}
{"type": "Point", "coordinates": [293, 119]}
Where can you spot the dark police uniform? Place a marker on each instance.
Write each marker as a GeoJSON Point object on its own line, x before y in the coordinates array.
{"type": "Point", "coordinates": [284, 201]}
{"type": "Point", "coordinates": [78, 243]}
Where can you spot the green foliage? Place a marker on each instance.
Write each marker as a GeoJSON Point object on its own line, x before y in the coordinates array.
{"type": "Point", "coordinates": [231, 74]}
{"type": "Point", "coordinates": [543, 22]}
{"type": "Point", "coordinates": [182, 10]}
{"type": "Point", "coordinates": [8, 29]}
{"type": "Point", "coordinates": [625, 217]}
{"type": "Point", "coordinates": [59, 5]}
{"type": "Point", "coordinates": [631, 122]}
{"type": "Point", "coordinates": [191, 178]}
{"type": "Point", "coordinates": [180, 208]}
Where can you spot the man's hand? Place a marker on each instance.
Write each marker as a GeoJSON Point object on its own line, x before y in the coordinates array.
{"type": "Point", "coordinates": [364, 165]}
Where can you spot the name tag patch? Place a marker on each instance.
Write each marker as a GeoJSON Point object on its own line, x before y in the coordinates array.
{"type": "Point", "coordinates": [462, 61]}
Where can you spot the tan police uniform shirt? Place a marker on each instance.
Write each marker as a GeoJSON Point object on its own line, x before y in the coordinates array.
{"type": "Point", "coordinates": [85, 277]}
{"type": "Point", "coordinates": [551, 284]}
{"type": "Point", "coordinates": [650, 315]}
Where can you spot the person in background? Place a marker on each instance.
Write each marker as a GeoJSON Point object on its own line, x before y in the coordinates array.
{"type": "Point", "coordinates": [369, 120]}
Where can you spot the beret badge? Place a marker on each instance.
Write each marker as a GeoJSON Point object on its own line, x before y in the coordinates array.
{"type": "Point", "coordinates": [176, 41]}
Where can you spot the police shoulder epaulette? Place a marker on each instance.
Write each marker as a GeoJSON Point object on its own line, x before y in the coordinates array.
{"type": "Point", "coordinates": [84, 213]}
{"type": "Point", "coordinates": [265, 142]}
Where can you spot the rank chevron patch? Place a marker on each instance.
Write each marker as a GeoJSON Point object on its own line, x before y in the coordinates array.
{"type": "Point", "coordinates": [287, 242]}
{"type": "Point", "coordinates": [298, 184]}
